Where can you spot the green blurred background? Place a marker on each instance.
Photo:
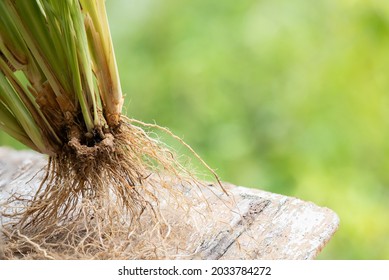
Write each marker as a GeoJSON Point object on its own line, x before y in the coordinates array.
{"type": "Point", "coordinates": [287, 96]}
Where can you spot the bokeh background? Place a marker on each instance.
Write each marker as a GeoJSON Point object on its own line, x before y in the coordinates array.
{"type": "Point", "coordinates": [287, 96]}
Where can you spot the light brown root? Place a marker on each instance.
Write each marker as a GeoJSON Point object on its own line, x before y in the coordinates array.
{"type": "Point", "coordinates": [187, 146]}
{"type": "Point", "coordinates": [2, 254]}
{"type": "Point", "coordinates": [105, 201]}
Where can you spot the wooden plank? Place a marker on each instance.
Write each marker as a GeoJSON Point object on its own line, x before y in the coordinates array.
{"type": "Point", "coordinates": [257, 225]}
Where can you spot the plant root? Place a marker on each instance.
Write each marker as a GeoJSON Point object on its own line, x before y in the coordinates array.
{"type": "Point", "coordinates": [103, 201]}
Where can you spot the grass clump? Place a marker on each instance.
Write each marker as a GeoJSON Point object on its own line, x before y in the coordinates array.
{"type": "Point", "coordinates": [60, 95]}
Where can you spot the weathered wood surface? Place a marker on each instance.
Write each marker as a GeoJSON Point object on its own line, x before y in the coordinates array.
{"type": "Point", "coordinates": [263, 226]}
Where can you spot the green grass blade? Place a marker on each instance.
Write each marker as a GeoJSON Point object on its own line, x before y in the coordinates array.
{"type": "Point", "coordinates": [10, 125]}
{"type": "Point", "coordinates": [68, 28]}
{"type": "Point", "coordinates": [84, 58]}
{"type": "Point", "coordinates": [27, 16]}
{"type": "Point", "coordinates": [105, 63]}
{"type": "Point", "coordinates": [11, 43]}
{"type": "Point", "coordinates": [30, 103]}
{"type": "Point", "coordinates": [10, 98]}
